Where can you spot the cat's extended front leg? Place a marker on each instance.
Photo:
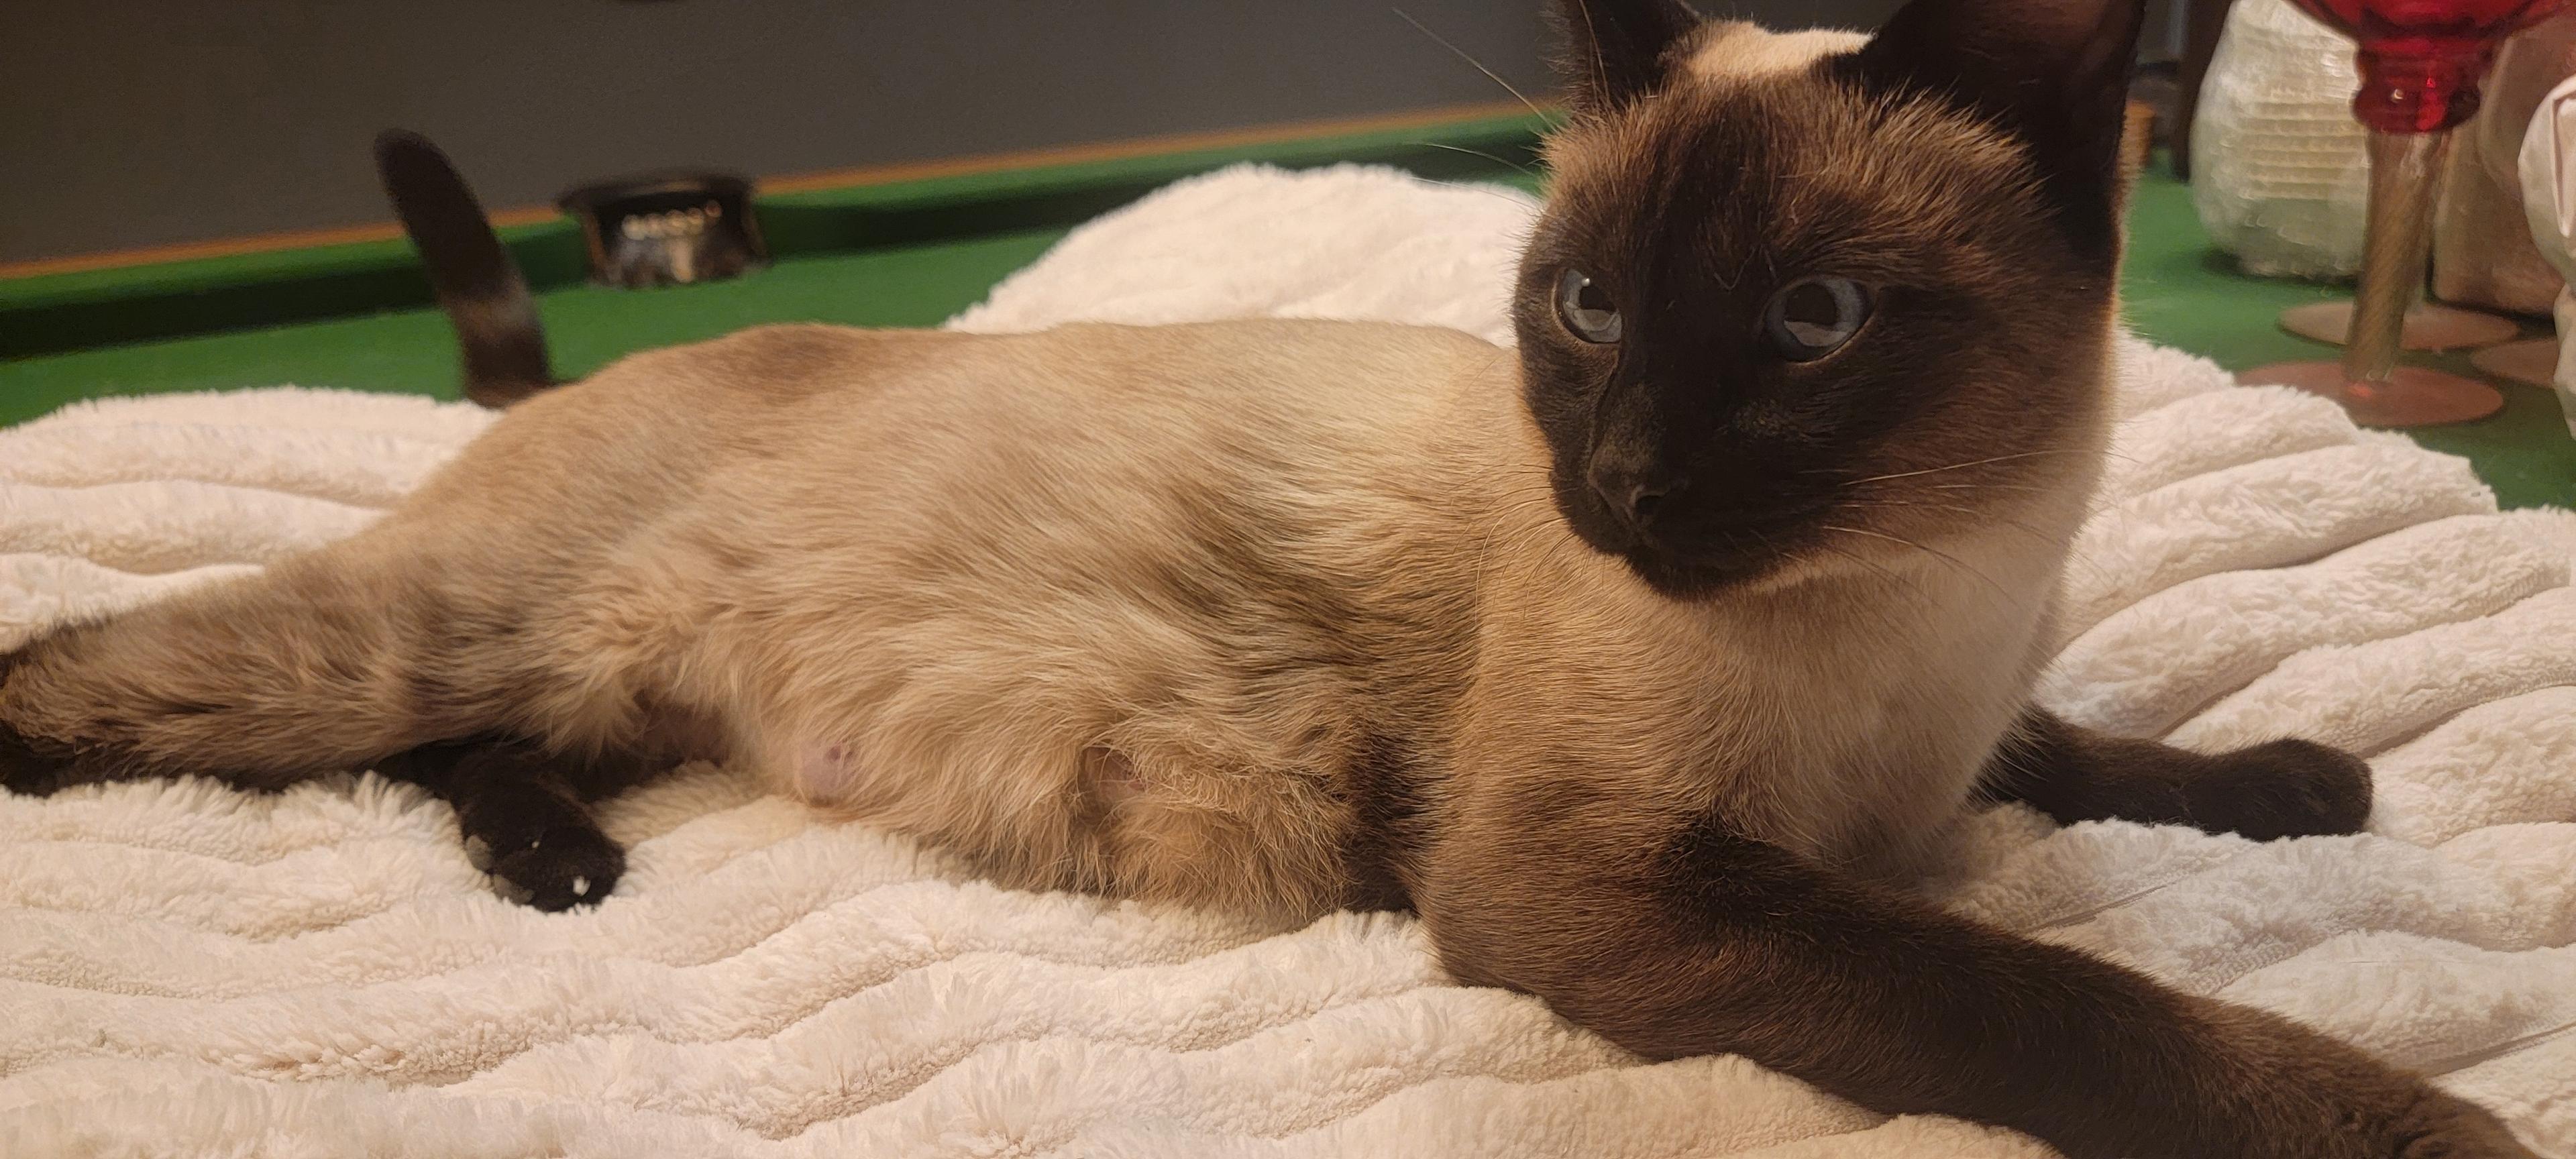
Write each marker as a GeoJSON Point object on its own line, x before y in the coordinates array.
{"type": "Point", "coordinates": [1697, 941]}
{"type": "Point", "coordinates": [2284, 788]}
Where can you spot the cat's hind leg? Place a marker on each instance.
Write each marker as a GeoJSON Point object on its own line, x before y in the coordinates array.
{"type": "Point", "coordinates": [2283, 788]}
{"type": "Point", "coordinates": [525, 816]}
{"type": "Point", "coordinates": [322, 664]}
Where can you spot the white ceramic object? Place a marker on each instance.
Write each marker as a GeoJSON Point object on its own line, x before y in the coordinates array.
{"type": "Point", "coordinates": [2279, 173]}
{"type": "Point", "coordinates": [2548, 166]}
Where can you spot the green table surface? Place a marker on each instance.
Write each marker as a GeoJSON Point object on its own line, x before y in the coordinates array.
{"type": "Point", "coordinates": [2178, 290]}
{"type": "Point", "coordinates": [933, 248]}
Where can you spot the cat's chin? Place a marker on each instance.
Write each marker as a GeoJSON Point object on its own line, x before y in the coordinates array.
{"type": "Point", "coordinates": [1705, 564]}
{"type": "Point", "coordinates": [1684, 576]}
{"type": "Point", "coordinates": [1690, 581]}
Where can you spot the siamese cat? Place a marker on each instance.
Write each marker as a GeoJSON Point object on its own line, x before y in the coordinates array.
{"type": "Point", "coordinates": [1625, 659]}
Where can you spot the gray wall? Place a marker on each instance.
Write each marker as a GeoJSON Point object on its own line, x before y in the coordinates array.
{"type": "Point", "coordinates": [143, 122]}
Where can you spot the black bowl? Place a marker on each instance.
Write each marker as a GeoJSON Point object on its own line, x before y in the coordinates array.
{"type": "Point", "coordinates": [665, 229]}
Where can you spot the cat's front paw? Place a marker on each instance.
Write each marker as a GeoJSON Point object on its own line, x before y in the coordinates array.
{"type": "Point", "coordinates": [2311, 1096]}
{"type": "Point", "coordinates": [2283, 788]}
{"type": "Point", "coordinates": [2439, 1126]}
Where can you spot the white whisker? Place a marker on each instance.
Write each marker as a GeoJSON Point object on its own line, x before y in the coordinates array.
{"type": "Point", "coordinates": [1473, 153]}
{"type": "Point", "coordinates": [1461, 53]}
{"type": "Point", "coordinates": [1962, 466]}
{"type": "Point", "coordinates": [1934, 552]}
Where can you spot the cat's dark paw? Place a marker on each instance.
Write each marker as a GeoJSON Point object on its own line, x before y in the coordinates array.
{"type": "Point", "coordinates": [2283, 788]}
{"type": "Point", "coordinates": [25, 769]}
{"type": "Point", "coordinates": [2441, 1126]}
{"type": "Point", "coordinates": [541, 849]}
{"type": "Point", "coordinates": [554, 870]}
{"type": "Point", "coordinates": [28, 769]}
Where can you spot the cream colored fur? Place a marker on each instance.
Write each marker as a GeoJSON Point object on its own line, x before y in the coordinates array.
{"type": "Point", "coordinates": [1111, 608]}
{"type": "Point", "coordinates": [1740, 51]}
{"type": "Point", "coordinates": [1107, 608]}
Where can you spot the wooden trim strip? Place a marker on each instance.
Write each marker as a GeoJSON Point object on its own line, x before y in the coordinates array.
{"type": "Point", "coordinates": [804, 183]}
{"type": "Point", "coordinates": [1138, 147]}
{"type": "Point", "coordinates": [236, 246]}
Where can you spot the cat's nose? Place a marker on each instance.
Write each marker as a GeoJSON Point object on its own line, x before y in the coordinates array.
{"type": "Point", "coordinates": [1635, 498]}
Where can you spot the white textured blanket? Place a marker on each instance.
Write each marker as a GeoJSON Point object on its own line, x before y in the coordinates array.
{"type": "Point", "coordinates": [188, 970]}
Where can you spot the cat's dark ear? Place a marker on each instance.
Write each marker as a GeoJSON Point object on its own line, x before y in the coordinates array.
{"type": "Point", "coordinates": [2052, 73]}
{"type": "Point", "coordinates": [1615, 49]}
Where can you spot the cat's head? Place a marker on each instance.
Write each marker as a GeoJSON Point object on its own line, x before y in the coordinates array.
{"type": "Point", "coordinates": [1813, 296]}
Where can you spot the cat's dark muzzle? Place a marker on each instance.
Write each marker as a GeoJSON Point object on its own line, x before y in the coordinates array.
{"type": "Point", "coordinates": [1679, 577]}
{"type": "Point", "coordinates": [1691, 550]}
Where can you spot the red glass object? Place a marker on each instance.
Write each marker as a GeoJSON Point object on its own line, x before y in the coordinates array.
{"type": "Point", "coordinates": [2421, 62]}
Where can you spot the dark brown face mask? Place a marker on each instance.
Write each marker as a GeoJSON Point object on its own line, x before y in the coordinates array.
{"type": "Point", "coordinates": [1856, 296]}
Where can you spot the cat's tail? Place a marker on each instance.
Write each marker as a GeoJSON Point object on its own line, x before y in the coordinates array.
{"type": "Point", "coordinates": [497, 332]}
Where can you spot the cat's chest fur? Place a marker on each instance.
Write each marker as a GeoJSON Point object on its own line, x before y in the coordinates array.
{"type": "Point", "coordinates": [1843, 715]}
{"type": "Point", "coordinates": [1864, 714]}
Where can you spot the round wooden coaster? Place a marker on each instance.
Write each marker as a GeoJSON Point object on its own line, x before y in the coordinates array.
{"type": "Point", "coordinates": [2531, 363]}
{"type": "Point", "coordinates": [2428, 327]}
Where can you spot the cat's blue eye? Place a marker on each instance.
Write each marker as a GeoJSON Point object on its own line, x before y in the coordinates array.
{"type": "Point", "coordinates": [1813, 317]}
{"type": "Point", "coordinates": [1586, 309]}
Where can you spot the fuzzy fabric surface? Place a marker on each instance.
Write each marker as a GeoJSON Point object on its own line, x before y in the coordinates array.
{"type": "Point", "coordinates": [188, 970]}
